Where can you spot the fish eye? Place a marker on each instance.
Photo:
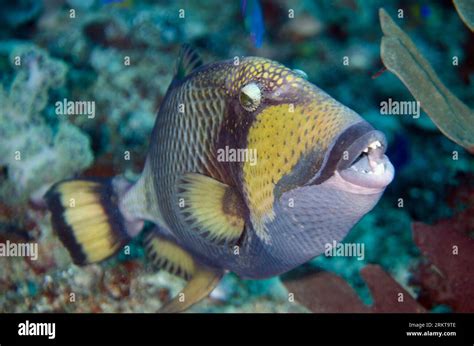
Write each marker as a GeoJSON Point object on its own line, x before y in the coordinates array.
{"type": "Point", "coordinates": [250, 97]}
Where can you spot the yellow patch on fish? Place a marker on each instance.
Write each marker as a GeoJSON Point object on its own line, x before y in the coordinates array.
{"type": "Point", "coordinates": [281, 135]}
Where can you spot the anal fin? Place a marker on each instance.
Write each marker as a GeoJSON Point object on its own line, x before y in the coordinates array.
{"type": "Point", "coordinates": [204, 280]}
{"type": "Point", "coordinates": [211, 208]}
{"type": "Point", "coordinates": [168, 255]}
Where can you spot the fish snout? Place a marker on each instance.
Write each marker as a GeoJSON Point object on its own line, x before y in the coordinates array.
{"type": "Point", "coordinates": [366, 164]}
{"type": "Point", "coordinates": [356, 161]}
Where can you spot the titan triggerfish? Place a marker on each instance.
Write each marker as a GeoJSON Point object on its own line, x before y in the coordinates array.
{"type": "Point", "coordinates": [251, 169]}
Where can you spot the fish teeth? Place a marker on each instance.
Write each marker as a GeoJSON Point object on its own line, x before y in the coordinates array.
{"type": "Point", "coordinates": [375, 145]}
{"type": "Point", "coordinates": [379, 169]}
{"type": "Point", "coordinates": [366, 150]}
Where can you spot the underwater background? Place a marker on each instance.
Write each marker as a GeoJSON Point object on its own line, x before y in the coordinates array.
{"type": "Point", "coordinates": [121, 54]}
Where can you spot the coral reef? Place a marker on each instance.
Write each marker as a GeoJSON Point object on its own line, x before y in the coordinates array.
{"type": "Point", "coordinates": [51, 284]}
{"type": "Point", "coordinates": [445, 275]}
{"type": "Point", "coordinates": [18, 14]}
{"type": "Point", "coordinates": [33, 154]}
{"type": "Point", "coordinates": [328, 292]}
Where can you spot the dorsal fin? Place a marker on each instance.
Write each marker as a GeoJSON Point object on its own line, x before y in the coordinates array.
{"type": "Point", "coordinates": [188, 61]}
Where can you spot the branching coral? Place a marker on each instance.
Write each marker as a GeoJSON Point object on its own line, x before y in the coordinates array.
{"type": "Point", "coordinates": [33, 155]}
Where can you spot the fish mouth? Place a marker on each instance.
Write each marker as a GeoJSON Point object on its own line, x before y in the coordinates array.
{"type": "Point", "coordinates": [365, 163]}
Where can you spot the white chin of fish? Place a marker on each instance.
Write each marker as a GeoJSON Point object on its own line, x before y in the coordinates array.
{"type": "Point", "coordinates": [369, 174]}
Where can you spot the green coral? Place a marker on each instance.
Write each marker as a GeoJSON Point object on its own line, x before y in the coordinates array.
{"type": "Point", "coordinates": [32, 154]}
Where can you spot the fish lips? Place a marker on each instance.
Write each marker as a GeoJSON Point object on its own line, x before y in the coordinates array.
{"type": "Point", "coordinates": [357, 157]}
{"type": "Point", "coordinates": [367, 165]}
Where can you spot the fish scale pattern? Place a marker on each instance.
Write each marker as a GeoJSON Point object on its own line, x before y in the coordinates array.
{"type": "Point", "coordinates": [183, 139]}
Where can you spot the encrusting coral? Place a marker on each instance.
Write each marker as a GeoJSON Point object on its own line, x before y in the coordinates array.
{"type": "Point", "coordinates": [445, 275]}
{"type": "Point", "coordinates": [328, 292]}
{"type": "Point", "coordinates": [33, 155]}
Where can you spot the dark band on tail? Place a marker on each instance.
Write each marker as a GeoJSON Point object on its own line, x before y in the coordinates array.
{"type": "Point", "coordinates": [87, 219]}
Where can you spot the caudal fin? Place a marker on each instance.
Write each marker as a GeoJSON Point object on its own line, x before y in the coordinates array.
{"type": "Point", "coordinates": [86, 216]}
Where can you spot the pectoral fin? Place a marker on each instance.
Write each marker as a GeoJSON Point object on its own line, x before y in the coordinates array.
{"type": "Point", "coordinates": [211, 208]}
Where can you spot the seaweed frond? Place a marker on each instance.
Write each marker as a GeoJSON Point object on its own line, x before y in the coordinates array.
{"type": "Point", "coordinates": [401, 57]}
